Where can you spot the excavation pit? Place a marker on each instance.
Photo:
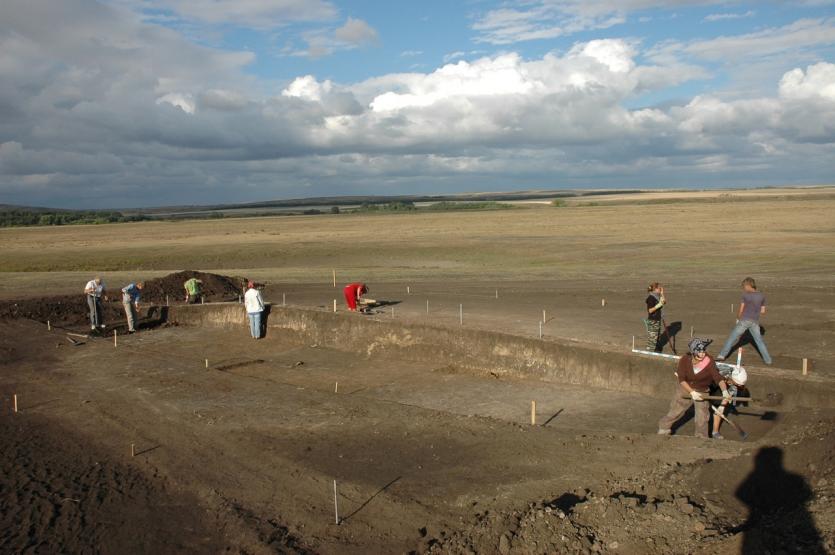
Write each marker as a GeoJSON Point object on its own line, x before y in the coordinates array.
{"type": "Point", "coordinates": [426, 429]}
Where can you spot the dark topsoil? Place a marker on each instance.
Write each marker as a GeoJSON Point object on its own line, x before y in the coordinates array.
{"type": "Point", "coordinates": [683, 508]}
{"type": "Point", "coordinates": [59, 495]}
{"type": "Point", "coordinates": [69, 310]}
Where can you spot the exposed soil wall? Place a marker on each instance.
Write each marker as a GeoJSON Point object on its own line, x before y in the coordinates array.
{"type": "Point", "coordinates": [72, 309]}
{"type": "Point", "coordinates": [501, 354]}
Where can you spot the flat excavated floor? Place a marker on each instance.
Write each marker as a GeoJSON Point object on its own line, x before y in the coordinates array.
{"type": "Point", "coordinates": [416, 449]}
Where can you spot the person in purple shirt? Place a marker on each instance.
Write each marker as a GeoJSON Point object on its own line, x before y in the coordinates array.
{"type": "Point", "coordinates": [748, 319]}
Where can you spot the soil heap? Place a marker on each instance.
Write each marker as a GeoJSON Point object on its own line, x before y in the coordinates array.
{"type": "Point", "coordinates": [69, 310]}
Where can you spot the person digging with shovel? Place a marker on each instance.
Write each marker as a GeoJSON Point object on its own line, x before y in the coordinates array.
{"type": "Point", "coordinates": [94, 291]}
{"type": "Point", "coordinates": [695, 373]}
{"type": "Point", "coordinates": [735, 378]}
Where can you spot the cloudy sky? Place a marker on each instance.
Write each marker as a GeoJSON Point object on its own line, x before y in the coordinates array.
{"type": "Point", "coordinates": [122, 103]}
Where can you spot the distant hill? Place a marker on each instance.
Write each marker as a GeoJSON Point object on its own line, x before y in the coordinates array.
{"type": "Point", "coordinates": [355, 200]}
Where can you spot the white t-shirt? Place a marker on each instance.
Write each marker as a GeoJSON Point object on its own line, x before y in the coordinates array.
{"type": "Point", "coordinates": [253, 300]}
{"type": "Point", "coordinates": [97, 289]}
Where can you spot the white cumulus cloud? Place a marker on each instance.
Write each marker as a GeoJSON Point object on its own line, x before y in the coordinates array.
{"type": "Point", "coordinates": [115, 111]}
{"type": "Point", "coordinates": [307, 88]}
{"type": "Point", "coordinates": [818, 81]}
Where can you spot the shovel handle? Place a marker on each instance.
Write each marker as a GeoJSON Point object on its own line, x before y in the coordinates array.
{"type": "Point", "coordinates": [720, 398]}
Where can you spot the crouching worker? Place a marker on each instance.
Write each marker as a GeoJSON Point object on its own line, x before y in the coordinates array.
{"type": "Point", "coordinates": [131, 294]}
{"type": "Point", "coordinates": [353, 294]}
{"type": "Point", "coordinates": [254, 304]}
{"type": "Point", "coordinates": [696, 372]}
{"type": "Point", "coordinates": [735, 379]}
{"type": "Point", "coordinates": [192, 287]}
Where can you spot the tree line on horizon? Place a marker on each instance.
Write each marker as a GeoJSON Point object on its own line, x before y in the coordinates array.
{"type": "Point", "coordinates": [21, 217]}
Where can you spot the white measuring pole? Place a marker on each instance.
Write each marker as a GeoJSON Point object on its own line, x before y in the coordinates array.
{"type": "Point", "coordinates": [335, 504]}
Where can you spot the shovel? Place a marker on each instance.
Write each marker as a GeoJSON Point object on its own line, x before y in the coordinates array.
{"type": "Point", "coordinates": [742, 433]}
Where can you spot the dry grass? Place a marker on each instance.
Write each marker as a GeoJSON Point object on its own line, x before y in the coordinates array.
{"type": "Point", "coordinates": [786, 239]}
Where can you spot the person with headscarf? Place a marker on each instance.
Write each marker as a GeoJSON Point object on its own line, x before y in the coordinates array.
{"type": "Point", "coordinates": [695, 373]}
{"type": "Point", "coordinates": [254, 304]}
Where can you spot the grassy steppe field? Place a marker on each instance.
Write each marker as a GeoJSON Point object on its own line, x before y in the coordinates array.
{"type": "Point", "coordinates": [785, 240]}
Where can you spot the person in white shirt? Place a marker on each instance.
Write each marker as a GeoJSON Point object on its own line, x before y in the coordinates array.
{"type": "Point", "coordinates": [254, 304]}
{"type": "Point", "coordinates": [95, 291]}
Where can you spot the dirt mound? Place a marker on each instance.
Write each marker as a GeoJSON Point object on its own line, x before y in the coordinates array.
{"type": "Point", "coordinates": [707, 506]}
{"type": "Point", "coordinates": [585, 522]}
{"type": "Point", "coordinates": [57, 496]}
{"type": "Point", "coordinates": [71, 310]}
{"type": "Point", "coordinates": [215, 287]}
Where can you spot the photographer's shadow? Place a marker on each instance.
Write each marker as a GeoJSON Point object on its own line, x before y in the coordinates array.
{"type": "Point", "coordinates": [778, 519]}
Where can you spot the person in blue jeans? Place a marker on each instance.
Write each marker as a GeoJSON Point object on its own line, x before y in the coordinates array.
{"type": "Point", "coordinates": [748, 319]}
{"type": "Point", "coordinates": [254, 304]}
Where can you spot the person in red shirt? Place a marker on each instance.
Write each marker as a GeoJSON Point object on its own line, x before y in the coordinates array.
{"type": "Point", "coordinates": [353, 293]}
{"type": "Point", "coordinates": [696, 371]}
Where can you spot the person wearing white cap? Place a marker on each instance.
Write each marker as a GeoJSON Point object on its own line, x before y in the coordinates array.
{"type": "Point", "coordinates": [735, 379]}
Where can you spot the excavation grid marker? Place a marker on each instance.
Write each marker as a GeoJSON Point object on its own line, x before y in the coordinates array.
{"type": "Point", "coordinates": [335, 504]}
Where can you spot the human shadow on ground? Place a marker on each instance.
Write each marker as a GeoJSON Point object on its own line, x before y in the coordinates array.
{"type": "Point", "coordinates": [380, 303]}
{"type": "Point", "coordinates": [156, 316]}
{"type": "Point", "coordinates": [373, 308]}
{"type": "Point", "coordinates": [265, 317]}
{"type": "Point", "coordinates": [668, 337]}
{"type": "Point", "coordinates": [778, 520]}
{"type": "Point", "coordinates": [153, 318]}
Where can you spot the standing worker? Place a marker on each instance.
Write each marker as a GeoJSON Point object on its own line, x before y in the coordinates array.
{"type": "Point", "coordinates": [130, 300]}
{"type": "Point", "coordinates": [353, 293]}
{"type": "Point", "coordinates": [94, 291]}
{"type": "Point", "coordinates": [192, 287]}
{"type": "Point", "coordinates": [654, 321]}
{"type": "Point", "coordinates": [748, 319]}
{"type": "Point", "coordinates": [696, 371]}
{"type": "Point", "coordinates": [254, 304]}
